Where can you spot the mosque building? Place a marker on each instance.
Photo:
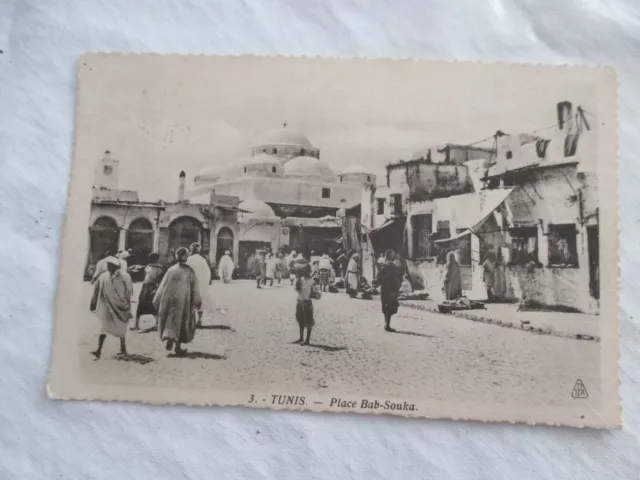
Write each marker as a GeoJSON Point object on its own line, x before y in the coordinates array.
{"type": "Point", "coordinates": [293, 196]}
{"type": "Point", "coordinates": [119, 220]}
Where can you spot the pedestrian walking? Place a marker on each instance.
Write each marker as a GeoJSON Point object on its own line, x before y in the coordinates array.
{"type": "Point", "coordinates": [123, 256]}
{"type": "Point", "coordinates": [259, 268]}
{"type": "Point", "coordinates": [203, 272]}
{"type": "Point", "coordinates": [270, 269]}
{"type": "Point", "coordinates": [153, 274]}
{"type": "Point", "coordinates": [353, 276]}
{"type": "Point", "coordinates": [324, 267]}
{"type": "Point", "coordinates": [389, 279]}
{"type": "Point", "coordinates": [101, 266]}
{"type": "Point", "coordinates": [488, 275]}
{"type": "Point", "coordinates": [452, 279]}
{"type": "Point", "coordinates": [225, 270]}
{"type": "Point", "coordinates": [281, 268]}
{"type": "Point", "coordinates": [111, 302]}
{"type": "Point", "coordinates": [177, 302]}
{"type": "Point", "coordinates": [307, 290]}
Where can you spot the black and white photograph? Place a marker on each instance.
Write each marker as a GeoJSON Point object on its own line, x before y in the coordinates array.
{"type": "Point", "coordinates": [424, 239]}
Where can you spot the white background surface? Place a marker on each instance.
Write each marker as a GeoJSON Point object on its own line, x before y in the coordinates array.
{"type": "Point", "coordinates": [40, 438]}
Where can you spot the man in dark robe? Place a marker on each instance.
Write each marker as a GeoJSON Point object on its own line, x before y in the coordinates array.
{"type": "Point", "coordinates": [153, 273]}
{"type": "Point", "coordinates": [389, 279]}
{"type": "Point", "coordinates": [177, 302]}
{"type": "Point", "coordinates": [259, 268]}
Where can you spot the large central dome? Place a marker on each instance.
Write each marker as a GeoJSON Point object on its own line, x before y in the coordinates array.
{"type": "Point", "coordinates": [283, 137]}
{"type": "Point", "coordinates": [309, 167]}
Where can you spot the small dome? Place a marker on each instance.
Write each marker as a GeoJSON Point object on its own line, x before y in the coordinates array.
{"type": "Point", "coordinates": [355, 168]}
{"type": "Point", "coordinates": [257, 209]}
{"type": "Point", "coordinates": [208, 174]}
{"type": "Point", "coordinates": [308, 167]}
{"type": "Point", "coordinates": [283, 136]}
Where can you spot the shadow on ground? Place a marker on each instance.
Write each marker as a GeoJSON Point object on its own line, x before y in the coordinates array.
{"type": "Point", "coordinates": [414, 334]}
{"type": "Point", "coordinates": [327, 348]}
{"type": "Point", "coordinates": [133, 358]}
{"type": "Point", "coordinates": [216, 327]}
{"type": "Point", "coordinates": [199, 355]}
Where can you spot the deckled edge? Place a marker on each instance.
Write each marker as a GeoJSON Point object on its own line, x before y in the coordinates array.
{"type": "Point", "coordinates": [50, 387]}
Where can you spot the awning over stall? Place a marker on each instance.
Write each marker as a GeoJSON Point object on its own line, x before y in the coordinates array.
{"type": "Point", "coordinates": [454, 238]}
{"type": "Point", "coordinates": [389, 235]}
{"type": "Point", "coordinates": [467, 211]}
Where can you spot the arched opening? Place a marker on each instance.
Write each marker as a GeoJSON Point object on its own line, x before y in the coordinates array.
{"type": "Point", "coordinates": [225, 242]}
{"type": "Point", "coordinates": [140, 241]}
{"type": "Point", "coordinates": [104, 235]}
{"type": "Point", "coordinates": [184, 231]}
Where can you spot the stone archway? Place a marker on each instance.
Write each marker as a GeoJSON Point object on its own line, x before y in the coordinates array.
{"type": "Point", "coordinates": [103, 237]}
{"type": "Point", "coordinates": [140, 241]}
{"type": "Point", "coordinates": [224, 242]}
{"type": "Point", "coordinates": [184, 231]}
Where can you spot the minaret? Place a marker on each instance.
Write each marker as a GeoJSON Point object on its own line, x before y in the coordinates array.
{"type": "Point", "coordinates": [181, 178]}
{"type": "Point", "coordinates": [106, 175]}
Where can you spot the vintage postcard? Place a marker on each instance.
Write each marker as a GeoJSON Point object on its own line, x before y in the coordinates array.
{"type": "Point", "coordinates": [405, 237]}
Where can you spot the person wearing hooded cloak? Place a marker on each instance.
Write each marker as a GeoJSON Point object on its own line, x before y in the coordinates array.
{"type": "Point", "coordinates": [202, 270]}
{"type": "Point", "coordinates": [225, 269]}
{"type": "Point", "coordinates": [452, 279]}
{"type": "Point", "coordinates": [111, 302]}
{"type": "Point", "coordinates": [177, 302]}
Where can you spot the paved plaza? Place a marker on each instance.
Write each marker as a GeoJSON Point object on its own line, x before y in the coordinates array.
{"type": "Point", "coordinates": [246, 345]}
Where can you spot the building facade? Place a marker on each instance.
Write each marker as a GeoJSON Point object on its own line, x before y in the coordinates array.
{"type": "Point", "coordinates": [531, 203]}
{"type": "Point", "coordinates": [289, 196]}
{"type": "Point", "coordinates": [120, 221]}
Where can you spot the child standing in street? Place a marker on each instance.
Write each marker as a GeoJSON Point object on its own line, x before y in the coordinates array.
{"type": "Point", "coordinates": [307, 290]}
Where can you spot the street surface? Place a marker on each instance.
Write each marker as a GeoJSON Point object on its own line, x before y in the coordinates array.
{"type": "Point", "coordinates": [246, 344]}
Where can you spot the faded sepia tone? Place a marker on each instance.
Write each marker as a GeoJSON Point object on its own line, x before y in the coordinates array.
{"type": "Point", "coordinates": [457, 220]}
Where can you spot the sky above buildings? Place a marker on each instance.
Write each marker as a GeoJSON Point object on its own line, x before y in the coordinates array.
{"type": "Point", "coordinates": [162, 114]}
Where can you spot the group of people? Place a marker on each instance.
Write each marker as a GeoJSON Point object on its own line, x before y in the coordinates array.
{"type": "Point", "coordinates": [177, 297]}
{"type": "Point", "coordinates": [311, 282]}
{"type": "Point", "coordinates": [265, 267]}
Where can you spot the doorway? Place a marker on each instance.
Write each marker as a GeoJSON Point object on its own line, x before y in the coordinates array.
{"type": "Point", "coordinates": [224, 243]}
{"type": "Point", "coordinates": [140, 241]}
{"type": "Point", "coordinates": [104, 235]}
{"type": "Point", "coordinates": [184, 231]}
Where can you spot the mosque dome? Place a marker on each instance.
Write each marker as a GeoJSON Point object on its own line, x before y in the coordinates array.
{"type": "Point", "coordinates": [308, 167]}
{"type": "Point", "coordinates": [257, 209]}
{"type": "Point", "coordinates": [208, 174]}
{"type": "Point", "coordinates": [285, 137]}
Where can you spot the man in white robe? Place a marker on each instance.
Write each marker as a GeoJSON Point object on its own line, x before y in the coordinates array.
{"type": "Point", "coordinates": [203, 273]}
{"type": "Point", "coordinates": [225, 269]}
{"type": "Point", "coordinates": [124, 264]}
{"type": "Point", "coordinates": [101, 267]}
{"type": "Point", "coordinates": [111, 302]}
